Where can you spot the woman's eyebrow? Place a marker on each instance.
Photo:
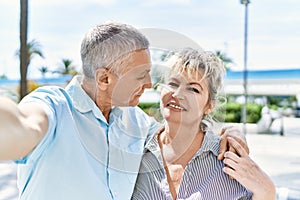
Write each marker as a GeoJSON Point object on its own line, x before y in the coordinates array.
{"type": "Point", "coordinates": [196, 83]}
{"type": "Point", "coordinates": [174, 79]}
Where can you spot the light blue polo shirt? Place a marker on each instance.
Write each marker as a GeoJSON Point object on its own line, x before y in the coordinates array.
{"type": "Point", "coordinates": [82, 156]}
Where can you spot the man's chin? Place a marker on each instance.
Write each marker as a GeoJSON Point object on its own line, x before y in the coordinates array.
{"type": "Point", "coordinates": [134, 102]}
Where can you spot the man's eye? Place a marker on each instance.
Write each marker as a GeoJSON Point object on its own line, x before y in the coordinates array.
{"type": "Point", "coordinates": [145, 75]}
{"type": "Point", "coordinates": [193, 89]}
{"type": "Point", "coordinates": [141, 78]}
{"type": "Point", "coordinates": [172, 84]}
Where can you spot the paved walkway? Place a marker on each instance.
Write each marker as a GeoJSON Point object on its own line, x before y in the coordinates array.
{"type": "Point", "coordinates": [8, 183]}
{"type": "Point", "coordinates": [279, 156]}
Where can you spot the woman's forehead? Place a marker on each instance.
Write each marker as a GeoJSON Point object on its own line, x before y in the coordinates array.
{"type": "Point", "coordinates": [187, 76]}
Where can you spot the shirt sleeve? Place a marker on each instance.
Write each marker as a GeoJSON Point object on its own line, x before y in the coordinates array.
{"type": "Point", "coordinates": [50, 100]}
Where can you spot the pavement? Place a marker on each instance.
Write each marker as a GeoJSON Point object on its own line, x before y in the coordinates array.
{"type": "Point", "coordinates": [8, 181]}
{"type": "Point", "coordinates": [278, 155]}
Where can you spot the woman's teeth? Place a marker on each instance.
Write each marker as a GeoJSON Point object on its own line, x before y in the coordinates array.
{"type": "Point", "coordinates": [175, 106]}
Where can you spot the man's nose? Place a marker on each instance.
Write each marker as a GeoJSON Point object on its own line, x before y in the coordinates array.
{"type": "Point", "coordinates": [147, 83]}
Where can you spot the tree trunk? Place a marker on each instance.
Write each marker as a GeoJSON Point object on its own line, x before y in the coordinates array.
{"type": "Point", "coordinates": [23, 49]}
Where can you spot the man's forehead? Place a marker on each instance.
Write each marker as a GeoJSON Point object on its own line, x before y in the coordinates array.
{"type": "Point", "coordinates": [138, 68]}
{"type": "Point", "coordinates": [139, 61]}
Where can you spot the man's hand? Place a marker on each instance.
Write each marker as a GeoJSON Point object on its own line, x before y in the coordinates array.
{"type": "Point", "coordinates": [235, 133]}
{"type": "Point", "coordinates": [242, 168]}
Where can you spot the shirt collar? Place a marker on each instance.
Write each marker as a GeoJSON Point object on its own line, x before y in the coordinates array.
{"type": "Point", "coordinates": [83, 103]}
{"type": "Point", "coordinates": [211, 142]}
{"type": "Point", "coordinates": [152, 144]}
{"type": "Point", "coordinates": [153, 147]}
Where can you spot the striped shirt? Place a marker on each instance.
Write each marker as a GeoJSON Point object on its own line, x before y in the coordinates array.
{"type": "Point", "coordinates": [203, 177]}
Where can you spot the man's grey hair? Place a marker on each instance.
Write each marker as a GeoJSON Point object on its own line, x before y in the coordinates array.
{"type": "Point", "coordinates": [107, 45]}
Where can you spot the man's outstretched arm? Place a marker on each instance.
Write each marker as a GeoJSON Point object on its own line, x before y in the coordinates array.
{"type": "Point", "coordinates": [21, 128]}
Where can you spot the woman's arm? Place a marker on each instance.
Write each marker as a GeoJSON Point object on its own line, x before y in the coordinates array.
{"type": "Point", "coordinates": [243, 169]}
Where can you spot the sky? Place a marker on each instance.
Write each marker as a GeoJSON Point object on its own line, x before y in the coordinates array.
{"type": "Point", "coordinates": [59, 26]}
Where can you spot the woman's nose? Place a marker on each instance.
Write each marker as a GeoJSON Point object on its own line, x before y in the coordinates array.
{"type": "Point", "coordinates": [177, 93]}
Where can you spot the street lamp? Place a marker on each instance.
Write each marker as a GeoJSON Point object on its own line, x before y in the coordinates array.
{"type": "Point", "coordinates": [244, 111]}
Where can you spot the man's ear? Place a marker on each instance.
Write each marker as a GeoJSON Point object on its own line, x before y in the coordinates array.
{"type": "Point", "coordinates": [102, 78]}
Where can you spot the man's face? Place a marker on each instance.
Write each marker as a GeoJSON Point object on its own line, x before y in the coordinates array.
{"type": "Point", "coordinates": [130, 85]}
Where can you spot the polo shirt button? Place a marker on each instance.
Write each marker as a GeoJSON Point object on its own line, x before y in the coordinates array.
{"type": "Point", "coordinates": [115, 193]}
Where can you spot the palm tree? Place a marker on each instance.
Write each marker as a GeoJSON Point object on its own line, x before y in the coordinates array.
{"type": "Point", "coordinates": [67, 68]}
{"type": "Point", "coordinates": [3, 76]}
{"type": "Point", "coordinates": [33, 48]}
{"type": "Point", "coordinates": [23, 49]}
{"type": "Point", "coordinates": [44, 70]}
{"type": "Point", "coordinates": [226, 60]}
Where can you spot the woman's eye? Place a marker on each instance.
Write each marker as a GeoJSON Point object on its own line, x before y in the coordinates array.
{"type": "Point", "coordinates": [172, 84]}
{"type": "Point", "coordinates": [193, 89]}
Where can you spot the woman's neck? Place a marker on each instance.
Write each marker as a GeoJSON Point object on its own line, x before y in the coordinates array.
{"type": "Point", "coordinates": [179, 143]}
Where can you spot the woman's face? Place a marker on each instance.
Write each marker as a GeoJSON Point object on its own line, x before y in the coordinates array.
{"type": "Point", "coordinates": [185, 100]}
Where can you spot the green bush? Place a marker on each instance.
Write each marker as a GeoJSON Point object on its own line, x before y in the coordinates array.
{"type": "Point", "coordinates": [232, 117]}
{"type": "Point", "coordinates": [234, 112]}
{"type": "Point", "coordinates": [152, 109]}
{"type": "Point", "coordinates": [253, 112]}
{"type": "Point", "coordinates": [233, 106]}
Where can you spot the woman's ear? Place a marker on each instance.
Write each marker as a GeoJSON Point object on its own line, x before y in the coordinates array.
{"type": "Point", "coordinates": [102, 78]}
{"type": "Point", "coordinates": [210, 107]}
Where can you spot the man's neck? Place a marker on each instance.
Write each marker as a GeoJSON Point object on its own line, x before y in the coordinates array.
{"type": "Point", "coordinates": [100, 98]}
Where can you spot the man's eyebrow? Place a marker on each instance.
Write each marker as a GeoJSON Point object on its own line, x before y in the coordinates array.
{"type": "Point", "coordinates": [145, 71]}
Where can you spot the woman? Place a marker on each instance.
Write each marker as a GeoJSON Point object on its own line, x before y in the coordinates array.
{"type": "Point", "coordinates": [180, 162]}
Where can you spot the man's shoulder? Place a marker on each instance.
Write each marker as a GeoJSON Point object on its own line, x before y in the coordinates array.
{"type": "Point", "coordinates": [48, 90]}
{"type": "Point", "coordinates": [49, 95]}
{"type": "Point", "coordinates": [137, 115]}
{"type": "Point", "coordinates": [135, 111]}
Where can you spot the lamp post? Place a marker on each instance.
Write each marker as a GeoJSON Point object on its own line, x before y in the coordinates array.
{"type": "Point", "coordinates": [244, 111]}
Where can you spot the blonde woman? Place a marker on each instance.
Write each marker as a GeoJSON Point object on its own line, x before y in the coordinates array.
{"type": "Point", "coordinates": [181, 161]}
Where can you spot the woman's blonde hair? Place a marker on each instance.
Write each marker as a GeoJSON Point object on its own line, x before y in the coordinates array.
{"type": "Point", "coordinates": [201, 63]}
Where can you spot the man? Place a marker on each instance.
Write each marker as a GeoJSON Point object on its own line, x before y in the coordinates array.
{"type": "Point", "coordinates": [85, 141]}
